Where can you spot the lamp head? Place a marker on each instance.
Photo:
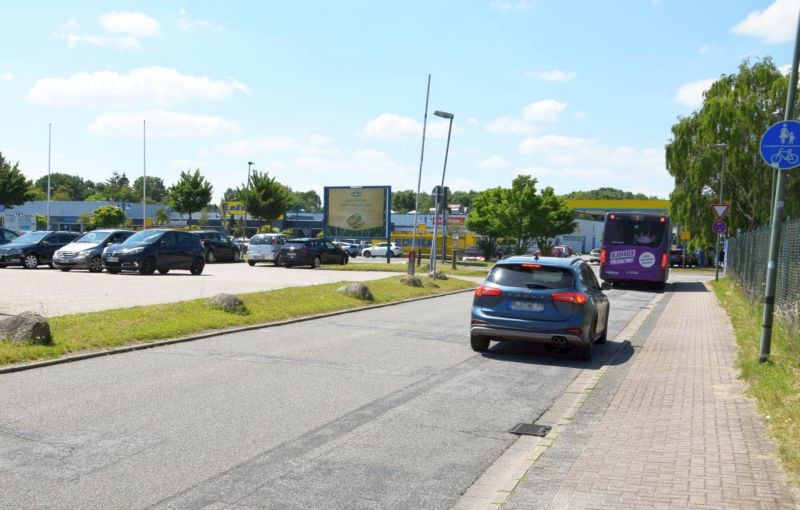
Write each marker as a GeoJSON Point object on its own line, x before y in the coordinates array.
{"type": "Point", "coordinates": [443, 115]}
{"type": "Point", "coordinates": [250, 163]}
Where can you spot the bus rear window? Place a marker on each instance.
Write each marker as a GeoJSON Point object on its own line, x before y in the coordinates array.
{"type": "Point", "coordinates": [525, 276]}
{"type": "Point", "coordinates": [645, 232]}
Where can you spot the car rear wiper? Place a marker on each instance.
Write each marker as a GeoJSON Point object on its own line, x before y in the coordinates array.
{"type": "Point", "coordinates": [537, 286]}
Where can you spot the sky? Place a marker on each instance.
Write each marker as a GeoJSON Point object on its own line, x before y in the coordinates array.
{"type": "Point", "coordinates": [579, 94]}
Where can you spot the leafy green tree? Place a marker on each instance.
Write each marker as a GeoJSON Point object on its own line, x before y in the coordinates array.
{"type": "Point", "coordinates": [85, 221]}
{"type": "Point", "coordinates": [191, 193]}
{"type": "Point", "coordinates": [15, 189]}
{"type": "Point", "coordinates": [266, 198]}
{"type": "Point", "coordinates": [404, 201]}
{"type": "Point", "coordinates": [72, 186]}
{"type": "Point", "coordinates": [156, 190]}
{"type": "Point", "coordinates": [230, 195]}
{"type": "Point", "coordinates": [463, 198]}
{"type": "Point", "coordinates": [108, 216]}
{"type": "Point", "coordinates": [607, 194]}
{"type": "Point", "coordinates": [161, 216]}
{"type": "Point", "coordinates": [308, 200]}
{"type": "Point", "coordinates": [555, 218]}
{"type": "Point", "coordinates": [736, 110]}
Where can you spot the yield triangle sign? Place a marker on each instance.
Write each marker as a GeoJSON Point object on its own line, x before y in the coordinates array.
{"type": "Point", "coordinates": [720, 209]}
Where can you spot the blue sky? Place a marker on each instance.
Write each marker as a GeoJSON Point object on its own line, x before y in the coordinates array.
{"type": "Point", "coordinates": [580, 94]}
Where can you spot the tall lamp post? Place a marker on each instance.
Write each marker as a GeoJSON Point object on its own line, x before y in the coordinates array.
{"type": "Point", "coordinates": [449, 116]}
{"type": "Point", "coordinates": [724, 148]}
{"type": "Point", "coordinates": [244, 218]}
{"type": "Point", "coordinates": [49, 139]}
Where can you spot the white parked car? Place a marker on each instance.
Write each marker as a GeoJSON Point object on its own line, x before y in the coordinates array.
{"type": "Point", "coordinates": [379, 250]}
{"type": "Point", "coordinates": [265, 247]}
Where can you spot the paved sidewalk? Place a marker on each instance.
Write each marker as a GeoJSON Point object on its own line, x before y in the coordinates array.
{"type": "Point", "coordinates": [671, 429]}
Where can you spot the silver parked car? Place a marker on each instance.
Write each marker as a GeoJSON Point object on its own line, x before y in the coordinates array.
{"type": "Point", "coordinates": [86, 251]}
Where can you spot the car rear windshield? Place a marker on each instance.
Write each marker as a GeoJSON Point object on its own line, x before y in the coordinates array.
{"type": "Point", "coordinates": [530, 276]}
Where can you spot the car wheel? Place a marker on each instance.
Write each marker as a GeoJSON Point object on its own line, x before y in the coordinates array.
{"type": "Point", "coordinates": [237, 256]}
{"type": "Point", "coordinates": [65, 269]}
{"type": "Point", "coordinates": [31, 261]}
{"type": "Point", "coordinates": [163, 271]}
{"type": "Point", "coordinates": [95, 265]}
{"type": "Point", "coordinates": [2, 266]}
{"type": "Point", "coordinates": [604, 336]}
{"type": "Point", "coordinates": [367, 254]}
{"type": "Point", "coordinates": [112, 271]}
{"type": "Point", "coordinates": [197, 266]}
{"type": "Point", "coordinates": [211, 257]}
{"type": "Point", "coordinates": [343, 261]}
{"type": "Point", "coordinates": [316, 262]}
{"type": "Point", "coordinates": [148, 266]}
{"type": "Point", "coordinates": [251, 263]}
{"type": "Point", "coordinates": [479, 343]}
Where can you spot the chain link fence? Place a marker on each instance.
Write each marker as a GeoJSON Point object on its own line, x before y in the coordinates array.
{"type": "Point", "coordinates": [746, 260]}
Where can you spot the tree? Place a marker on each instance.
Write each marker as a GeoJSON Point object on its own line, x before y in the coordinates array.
{"type": "Point", "coordinates": [108, 216]}
{"type": "Point", "coordinates": [162, 216]}
{"type": "Point", "coordinates": [555, 218]}
{"type": "Point", "coordinates": [463, 198]}
{"type": "Point", "coordinates": [607, 194]}
{"type": "Point", "coordinates": [736, 110]}
{"type": "Point", "coordinates": [156, 190]}
{"type": "Point", "coordinates": [307, 200]}
{"type": "Point", "coordinates": [73, 187]}
{"type": "Point", "coordinates": [230, 195]}
{"type": "Point", "coordinates": [266, 198]}
{"type": "Point", "coordinates": [191, 193]}
{"type": "Point", "coordinates": [15, 189]}
{"type": "Point", "coordinates": [404, 201]}
{"type": "Point", "coordinates": [85, 221]}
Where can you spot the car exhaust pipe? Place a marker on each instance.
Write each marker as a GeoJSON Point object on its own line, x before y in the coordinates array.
{"type": "Point", "coordinates": [559, 340]}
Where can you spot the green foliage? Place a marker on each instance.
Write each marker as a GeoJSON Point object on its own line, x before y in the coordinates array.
{"type": "Point", "coordinates": [231, 195]}
{"type": "Point", "coordinates": [520, 214]}
{"type": "Point", "coordinates": [15, 189]}
{"type": "Point", "coordinates": [607, 194]}
{"type": "Point", "coordinates": [404, 201]}
{"type": "Point", "coordinates": [736, 111]}
{"type": "Point", "coordinates": [108, 216]}
{"type": "Point", "coordinates": [156, 190]}
{"type": "Point", "coordinates": [266, 198]}
{"type": "Point", "coordinates": [66, 187]}
{"type": "Point", "coordinates": [161, 216]}
{"type": "Point", "coordinates": [308, 200]}
{"type": "Point", "coordinates": [463, 198]}
{"type": "Point", "coordinates": [191, 193]}
{"type": "Point", "coordinates": [85, 221]}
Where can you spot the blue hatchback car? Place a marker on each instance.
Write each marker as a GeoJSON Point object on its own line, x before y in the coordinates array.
{"type": "Point", "coordinates": [546, 300]}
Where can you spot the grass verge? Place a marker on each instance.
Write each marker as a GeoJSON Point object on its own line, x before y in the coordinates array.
{"type": "Point", "coordinates": [143, 324]}
{"type": "Point", "coordinates": [775, 385]}
{"type": "Point", "coordinates": [420, 271]}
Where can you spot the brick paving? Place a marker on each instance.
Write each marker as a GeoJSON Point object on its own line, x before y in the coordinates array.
{"type": "Point", "coordinates": [669, 429]}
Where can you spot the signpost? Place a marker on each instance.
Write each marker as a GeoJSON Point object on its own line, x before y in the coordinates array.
{"type": "Point", "coordinates": [719, 226]}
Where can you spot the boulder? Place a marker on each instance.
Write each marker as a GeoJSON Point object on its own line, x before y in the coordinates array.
{"type": "Point", "coordinates": [226, 302]}
{"type": "Point", "coordinates": [27, 327]}
{"type": "Point", "coordinates": [438, 275]}
{"type": "Point", "coordinates": [356, 290]}
{"type": "Point", "coordinates": [411, 280]}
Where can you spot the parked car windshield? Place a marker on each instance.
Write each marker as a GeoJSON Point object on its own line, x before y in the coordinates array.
{"type": "Point", "coordinates": [30, 237]}
{"type": "Point", "coordinates": [530, 275]}
{"type": "Point", "coordinates": [144, 237]}
{"type": "Point", "coordinates": [93, 237]}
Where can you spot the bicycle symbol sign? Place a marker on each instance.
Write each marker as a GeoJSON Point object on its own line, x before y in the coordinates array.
{"type": "Point", "coordinates": [780, 145]}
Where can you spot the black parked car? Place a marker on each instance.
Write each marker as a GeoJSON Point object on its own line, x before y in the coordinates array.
{"type": "Point", "coordinates": [6, 235]}
{"type": "Point", "coordinates": [310, 252]}
{"type": "Point", "coordinates": [218, 246]}
{"type": "Point", "coordinates": [34, 248]}
{"type": "Point", "coordinates": [157, 249]}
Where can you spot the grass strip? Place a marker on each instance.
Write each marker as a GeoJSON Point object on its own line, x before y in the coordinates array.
{"type": "Point", "coordinates": [775, 385]}
{"type": "Point", "coordinates": [420, 271]}
{"type": "Point", "coordinates": [143, 324]}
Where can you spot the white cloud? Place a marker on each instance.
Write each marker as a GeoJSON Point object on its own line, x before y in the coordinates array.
{"type": "Point", "coordinates": [507, 5]}
{"type": "Point", "coordinates": [555, 75]}
{"type": "Point", "coordinates": [510, 126]}
{"type": "Point", "coordinates": [251, 147]}
{"type": "Point", "coordinates": [775, 24]}
{"type": "Point", "coordinates": [493, 162]}
{"type": "Point", "coordinates": [129, 23]}
{"type": "Point", "coordinates": [548, 110]}
{"type": "Point", "coordinates": [691, 94]}
{"type": "Point", "coordinates": [6, 77]}
{"type": "Point", "coordinates": [390, 126]}
{"type": "Point", "coordinates": [566, 150]}
{"type": "Point", "coordinates": [143, 87]}
{"type": "Point", "coordinates": [160, 124]}
{"type": "Point", "coordinates": [195, 25]}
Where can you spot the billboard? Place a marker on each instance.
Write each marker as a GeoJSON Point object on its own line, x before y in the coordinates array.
{"type": "Point", "coordinates": [357, 211]}
{"type": "Point", "coordinates": [232, 208]}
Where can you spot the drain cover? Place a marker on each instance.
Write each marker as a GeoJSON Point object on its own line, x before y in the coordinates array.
{"type": "Point", "coordinates": [529, 429]}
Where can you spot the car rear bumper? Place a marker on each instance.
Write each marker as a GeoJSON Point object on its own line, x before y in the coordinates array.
{"type": "Point", "coordinates": [542, 337]}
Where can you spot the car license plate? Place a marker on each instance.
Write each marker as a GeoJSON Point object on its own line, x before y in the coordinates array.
{"type": "Point", "coordinates": [528, 306]}
{"type": "Point", "coordinates": [112, 259]}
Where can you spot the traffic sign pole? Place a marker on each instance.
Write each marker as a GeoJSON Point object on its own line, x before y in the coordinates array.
{"type": "Point", "coordinates": [777, 213]}
{"type": "Point", "coordinates": [721, 183]}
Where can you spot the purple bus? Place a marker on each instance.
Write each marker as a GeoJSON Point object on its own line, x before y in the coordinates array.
{"type": "Point", "coordinates": [635, 248]}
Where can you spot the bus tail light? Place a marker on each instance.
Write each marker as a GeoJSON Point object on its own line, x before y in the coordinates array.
{"type": "Point", "coordinates": [576, 298]}
{"type": "Point", "coordinates": [664, 260]}
{"type": "Point", "coordinates": [486, 291]}
{"type": "Point", "coordinates": [603, 256]}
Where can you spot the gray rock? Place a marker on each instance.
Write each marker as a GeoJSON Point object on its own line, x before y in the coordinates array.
{"type": "Point", "coordinates": [412, 280]}
{"type": "Point", "coordinates": [27, 327]}
{"type": "Point", "coordinates": [227, 302]}
{"type": "Point", "coordinates": [438, 275]}
{"type": "Point", "coordinates": [356, 290]}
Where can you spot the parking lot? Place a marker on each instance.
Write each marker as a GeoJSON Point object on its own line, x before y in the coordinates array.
{"type": "Point", "coordinates": [51, 292]}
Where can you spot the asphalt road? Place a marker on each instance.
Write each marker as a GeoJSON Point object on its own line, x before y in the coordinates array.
{"type": "Point", "coordinates": [381, 408]}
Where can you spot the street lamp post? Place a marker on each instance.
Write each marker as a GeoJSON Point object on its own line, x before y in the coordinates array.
{"type": "Point", "coordinates": [724, 148]}
{"type": "Point", "coordinates": [247, 194]}
{"type": "Point", "coordinates": [448, 116]}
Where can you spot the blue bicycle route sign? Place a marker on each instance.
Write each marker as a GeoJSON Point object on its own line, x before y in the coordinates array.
{"type": "Point", "coordinates": [780, 145]}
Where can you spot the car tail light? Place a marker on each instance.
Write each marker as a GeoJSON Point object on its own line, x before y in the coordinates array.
{"type": "Point", "coordinates": [664, 260]}
{"type": "Point", "coordinates": [532, 266]}
{"type": "Point", "coordinates": [573, 330]}
{"type": "Point", "coordinates": [603, 257]}
{"type": "Point", "coordinates": [576, 298]}
{"type": "Point", "coordinates": [485, 290]}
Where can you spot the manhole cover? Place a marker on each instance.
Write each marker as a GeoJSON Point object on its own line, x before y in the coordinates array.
{"type": "Point", "coordinates": [529, 429]}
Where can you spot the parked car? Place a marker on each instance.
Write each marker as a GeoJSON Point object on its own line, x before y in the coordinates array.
{"type": "Point", "coordinates": [352, 250]}
{"type": "Point", "coordinates": [379, 250]}
{"type": "Point", "coordinates": [547, 300]}
{"type": "Point", "coordinates": [676, 257]}
{"type": "Point", "coordinates": [562, 251]}
{"type": "Point", "coordinates": [34, 248]}
{"type": "Point", "coordinates": [218, 246]}
{"type": "Point", "coordinates": [7, 235]}
{"type": "Point", "coordinates": [594, 255]}
{"type": "Point", "coordinates": [156, 249]}
{"type": "Point", "coordinates": [264, 248]}
{"type": "Point", "coordinates": [692, 259]}
{"type": "Point", "coordinates": [310, 251]}
{"type": "Point", "coordinates": [242, 242]}
{"type": "Point", "coordinates": [86, 251]}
